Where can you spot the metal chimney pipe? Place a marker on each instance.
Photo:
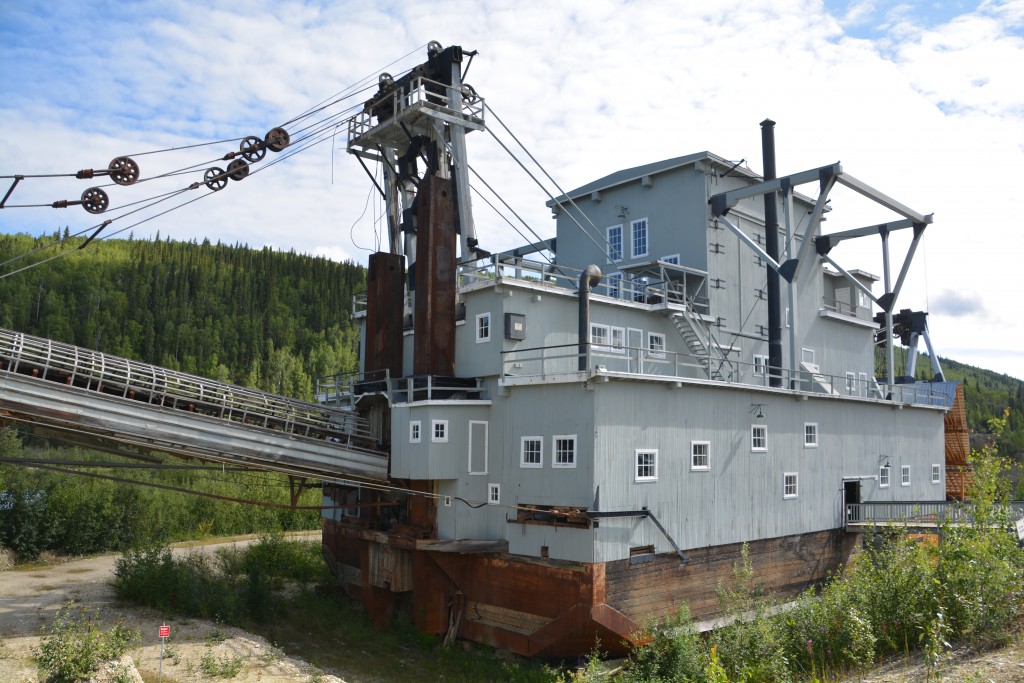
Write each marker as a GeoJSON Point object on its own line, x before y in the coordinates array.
{"type": "Point", "coordinates": [771, 247]}
{"type": "Point", "coordinates": [589, 279]}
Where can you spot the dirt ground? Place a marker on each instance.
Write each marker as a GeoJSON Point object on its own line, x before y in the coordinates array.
{"type": "Point", "coordinates": [29, 598]}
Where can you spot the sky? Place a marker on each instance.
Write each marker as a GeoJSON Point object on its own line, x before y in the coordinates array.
{"type": "Point", "coordinates": [923, 101]}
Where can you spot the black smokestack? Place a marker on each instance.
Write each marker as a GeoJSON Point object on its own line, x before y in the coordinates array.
{"type": "Point", "coordinates": [771, 246]}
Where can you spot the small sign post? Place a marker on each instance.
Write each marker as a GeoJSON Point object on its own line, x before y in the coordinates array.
{"type": "Point", "coordinates": [165, 633]}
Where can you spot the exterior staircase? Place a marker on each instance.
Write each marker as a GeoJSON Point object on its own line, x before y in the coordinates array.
{"type": "Point", "coordinates": [702, 346]}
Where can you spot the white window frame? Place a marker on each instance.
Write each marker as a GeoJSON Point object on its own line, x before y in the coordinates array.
{"type": "Point", "coordinates": [652, 350]}
{"type": "Point", "coordinates": [787, 317]}
{"type": "Point", "coordinates": [862, 388]}
{"type": "Point", "coordinates": [760, 364]}
{"type": "Point", "coordinates": [807, 355]}
{"type": "Point", "coordinates": [613, 285]}
{"type": "Point", "coordinates": [638, 286]}
{"type": "Point", "coordinates": [884, 476]}
{"type": "Point", "coordinates": [443, 424]}
{"type": "Point", "coordinates": [483, 327]}
{"type": "Point", "coordinates": [494, 494]}
{"type": "Point", "coordinates": [616, 345]}
{"type": "Point", "coordinates": [608, 235]}
{"type": "Point", "coordinates": [851, 383]}
{"type": "Point", "coordinates": [597, 344]}
{"type": "Point", "coordinates": [936, 473]}
{"type": "Point", "coordinates": [649, 465]}
{"type": "Point", "coordinates": [754, 438]}
{"type": "Point", "coordinates": [633, 237]}
{"type": "Point", "coordinates": [555, 453]}
{"type": "Point", "coordinates": [415, 431]}
{"type": "Point", "coordinates": [810, 430]}
{"type": "Point", "coordinates": [673, 259]}
{"type": "Point", "coordinates": [694, 455]}
{"type": "Point", "coordinates": [905, 475]}
{"type": "Point", "coordinates": [540, 451]}
{"type": "Point", "coordinates": [790, 490]}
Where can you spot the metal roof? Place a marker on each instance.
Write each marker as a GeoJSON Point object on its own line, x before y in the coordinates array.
{"type": "Point", "coordinates": [638, 172]}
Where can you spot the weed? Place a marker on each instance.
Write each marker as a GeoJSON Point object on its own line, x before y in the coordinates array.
{"type": "Point", "coordinates": [215, 637]}
{"type": "Point", "coordinates": [220, 667]}
{"type": "Point", "coordinates": [74, 645]}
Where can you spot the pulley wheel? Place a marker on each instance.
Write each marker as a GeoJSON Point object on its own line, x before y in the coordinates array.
{"type": "Point", "coordinates": [238, 169]}
{"type": "Point", "coordinates": [277, 139]}
{"type": "Point", "coordinates": [123, 170]}
{"type": "Point", "coordinates": [95, 200]}
{"type": "Point", "coordinates": [215, 178]}
{"type": "Point", "coordinates": [252, 148]}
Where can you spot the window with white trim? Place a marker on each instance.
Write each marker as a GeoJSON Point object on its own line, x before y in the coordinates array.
{"type": "Point", "coordinates": [439, 431]}
{"type": "Point", "coordinates": [936, 474]}
{"type": "Point", "coordinates": [851, 383]}
{"type": "Point", "coordinates": [639, 284]}
{"type": "Point", "coordinates": [673, 259]}
{"type": "Point", "coordinates": [883, 476]}
{"type": "Point", "coordinates": [905, 476]}
{"type": "Point", "coordinates": [531, 451]}
{"type": "Point", "coordinates": [483, 328]}
{"type": "Point", "coordinates": [599, 337]}
{"type": "Point", "coordinates": [862, 388]}
{"type": "Point", "coordinates": [759, 438]}
{"type": "Point", "coordinates": [700, 455]}
{"type": "Point", "coordinates": [790, 484]}
{"type": "Point", "coordinates": [414, 431]}
{"type": "Point", "coordinates": [638, 229]}
{"type": "Point", "coordinates": [760, 364]}
{"type": "Point", "coordinates": [655, 345]}
{"type": "Point", "coordinates": [617, 336]}
{"type": "Point", "coordinates": [787, 317]}
{"type": "Point", "coordinates": [494, 494]}
{"type": "Point", "coordinates": [810, 434]}
{"type": "Point", "coordinates": [563, 450]}
{"type": "Point", "coordinates": [613, 285]}
{"type": "Point", "coordinates": [614, 243]}
{"type": "Point", "coordinates": [646, 465]}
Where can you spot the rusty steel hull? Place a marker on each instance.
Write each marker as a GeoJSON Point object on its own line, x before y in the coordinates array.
{"type": "Point", "coordinates": [536, 607]}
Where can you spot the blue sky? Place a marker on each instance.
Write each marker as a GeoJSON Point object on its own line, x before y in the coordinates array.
{"type": "Point", "coordinates": [921, 100]}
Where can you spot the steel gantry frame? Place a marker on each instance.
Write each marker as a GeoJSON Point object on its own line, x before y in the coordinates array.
{"type": "Point", "coordinates": [791, 267]}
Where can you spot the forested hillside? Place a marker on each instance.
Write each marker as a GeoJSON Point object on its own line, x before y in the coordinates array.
{"type": "Point", "coordinates": [266, 319]}
{"type": "Point", "coordinates": [989, 394]}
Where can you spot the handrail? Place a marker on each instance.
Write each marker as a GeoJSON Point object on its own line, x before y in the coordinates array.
{"type": "Point", "coordinates": [127, 379]}
{"type": "Point", "coordinates": [551, 361]}
{"type": "Point", "coordinates": [920, 512]}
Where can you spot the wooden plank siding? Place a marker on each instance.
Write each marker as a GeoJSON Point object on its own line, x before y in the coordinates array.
{"type": "Point", "coordinates": [783, 567]}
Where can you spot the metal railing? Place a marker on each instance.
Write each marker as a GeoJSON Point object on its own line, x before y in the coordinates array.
{"type": "Point", "coordinates": [420, 93]}
{"type": "Point", "coordinates": [563, 359]}
{"type": "Point", "coordinates": [913, 513]}
{"type": "Point", "coordinates": [131, 380]}
{"type": "Point", "coordinates": [846, 308]}
{"type": "Point", "coordinates": [345, 389]}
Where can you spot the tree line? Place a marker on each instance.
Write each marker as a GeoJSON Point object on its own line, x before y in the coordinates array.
{"type": "Point", "coordinates": [262, 318]}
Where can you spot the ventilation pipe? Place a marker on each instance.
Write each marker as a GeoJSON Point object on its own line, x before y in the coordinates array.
{"type": "Point", "coordinates": [589, 278]}
{"type": "Point", "coordinates": [771, 247]}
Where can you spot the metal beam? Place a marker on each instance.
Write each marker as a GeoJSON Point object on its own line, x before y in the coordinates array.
{"type": "Point", "coordinates": [752, 244]}
{"type": "Point", "coordinates": [885, 200]}
{"type": "Point", "coordinates": [826, 242]}
{"type": "Point", "coordinates": [810, 235]}
{"type": "Point", "coordinates": [854, 281]}
{"type": "Point", "coordinates": [721, 203]}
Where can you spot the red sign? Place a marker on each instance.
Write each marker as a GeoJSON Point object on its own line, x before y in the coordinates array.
{"type": "Point", "coordinates": [165, 631]}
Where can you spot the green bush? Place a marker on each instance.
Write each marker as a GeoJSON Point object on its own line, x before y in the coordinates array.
{"type": "Point", "coordinates": [826, 631]}
{"type": "Point", "coordinates": [673, 652]}
{"type": "Point", "coordinates": [74, 646]}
